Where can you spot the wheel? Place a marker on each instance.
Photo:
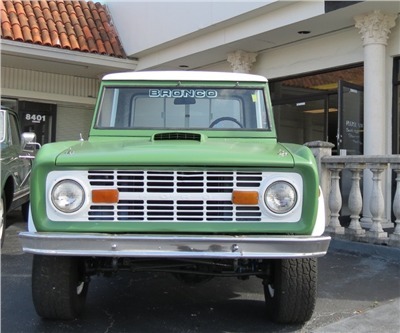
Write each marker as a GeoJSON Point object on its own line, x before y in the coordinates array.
{"type": "Point", "coordinates": [218, 120]}
{"type": "Point", "coordinates": [3, 220]}
{"type": "Point", "coordinates": [25, 211]}
{"type": "Point", "coordinates": [59, 286]}
{"type": "Point", "coordinates": [290, 293]}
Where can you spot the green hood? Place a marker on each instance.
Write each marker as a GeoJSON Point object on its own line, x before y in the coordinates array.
{"type": "Point", "coordinates": [145, 152]}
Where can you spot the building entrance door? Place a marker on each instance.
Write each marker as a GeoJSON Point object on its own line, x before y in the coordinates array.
{"type": "Point", "coordinates": [351, 118]}
{"type": "Point", "coordinates": [39, 118]}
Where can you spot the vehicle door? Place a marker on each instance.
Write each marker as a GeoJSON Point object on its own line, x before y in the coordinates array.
{"type": "Point", "coordinates": [18, 167]}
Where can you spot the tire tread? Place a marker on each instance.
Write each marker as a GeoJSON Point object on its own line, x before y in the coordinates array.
{"type": "Point", "coordinates": [295, 291]}
{"type": "Point", "coordinates": [54, 281]}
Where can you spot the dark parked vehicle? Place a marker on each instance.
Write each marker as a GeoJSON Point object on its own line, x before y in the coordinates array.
{"type": "Point", "coordinates": [15, 167]}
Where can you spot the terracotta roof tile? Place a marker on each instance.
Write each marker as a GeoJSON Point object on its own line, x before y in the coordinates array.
{"type": "Point", "coordinates": [73, 25]}
{"type": "Point", "coordinates": [23, 20]}
{"type": "Point", "coordinates": [33, 24]}
{"type": "Point", "coordinates": [13, 19]}
{"type": "Point", "coordinates": [5, 23]}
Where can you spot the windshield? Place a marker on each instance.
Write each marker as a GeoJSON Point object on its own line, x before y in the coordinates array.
{"type": "Point", "coordinates": [186, 108]}
{"type": "Point", "coordinates": [2, 126]}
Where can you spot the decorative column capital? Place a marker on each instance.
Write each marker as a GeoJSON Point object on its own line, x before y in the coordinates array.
{"type": "Point", "coordinates": [241, 61]}
{"type": "Point", "coordinates": [375, 27]}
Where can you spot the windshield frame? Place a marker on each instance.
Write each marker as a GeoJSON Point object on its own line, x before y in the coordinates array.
{"type": "Point", "coordinates": [262, 105]}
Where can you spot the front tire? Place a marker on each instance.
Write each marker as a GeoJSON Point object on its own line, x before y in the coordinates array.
{"type": "Point", "coordinates": [290, 293]}
{"type": "Point", "coordinates": [59, 286]}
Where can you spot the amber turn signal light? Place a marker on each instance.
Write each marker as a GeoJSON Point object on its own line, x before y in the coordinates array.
{"type": "Point", "coordinates": [105, 196]}
{"type": "Point", "coordinates": [245, 197]}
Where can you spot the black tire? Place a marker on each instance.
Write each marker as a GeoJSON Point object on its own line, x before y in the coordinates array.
{"type": "Point", "coordinates": [291, 294]}
{"type": "Point", "coordinates": [25, 211]}
{"type": "Point", "coordinates": [3, 220]}
{"type": "Point", "coordinates": [59, 287]}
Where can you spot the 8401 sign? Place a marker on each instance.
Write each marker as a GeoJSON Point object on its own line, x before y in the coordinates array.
{"type": "Point", "coordinates": [35, 118]}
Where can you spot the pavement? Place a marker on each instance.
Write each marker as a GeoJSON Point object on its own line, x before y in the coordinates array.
{"type": "Point", "coordinates": [384, 318]}
{"type": "Point", "coordinates": [359, 291]}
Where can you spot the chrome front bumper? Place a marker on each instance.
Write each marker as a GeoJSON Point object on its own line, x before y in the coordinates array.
{"type": "Point", "coordinates": [174, 246]}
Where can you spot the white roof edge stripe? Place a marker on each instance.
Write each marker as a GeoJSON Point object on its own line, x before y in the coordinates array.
{"type": "Point", "coordinates": [184, 76]}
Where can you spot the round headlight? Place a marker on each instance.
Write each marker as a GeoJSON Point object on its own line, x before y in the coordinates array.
{"type": "Point", "coordinates": [68, 196]}
{"type": "Point", "coordinates": [280, 197]}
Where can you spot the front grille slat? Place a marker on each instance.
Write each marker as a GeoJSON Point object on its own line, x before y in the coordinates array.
{"type": "Point", "coordinates": [196, 196]}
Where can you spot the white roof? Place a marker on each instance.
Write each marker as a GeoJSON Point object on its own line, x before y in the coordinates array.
{"type": "Point", "coordinates": [184, 76]}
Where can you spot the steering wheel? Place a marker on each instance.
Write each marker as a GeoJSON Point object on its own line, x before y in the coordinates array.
{"type": "Point", "coordinates": [218, 120]}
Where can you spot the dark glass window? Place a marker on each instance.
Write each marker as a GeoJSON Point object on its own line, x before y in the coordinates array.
{"type": "Point", "coordinates": [306, 107]}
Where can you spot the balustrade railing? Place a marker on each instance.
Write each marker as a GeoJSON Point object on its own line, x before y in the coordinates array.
{"type": "Point", "coordinates": [371, 212]}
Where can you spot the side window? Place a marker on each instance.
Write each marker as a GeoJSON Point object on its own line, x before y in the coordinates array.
{"type": "Point", "coordinates": [2, 126]}
{"type": "Point", "coordinates": [14, 134]}
{"type": "Point", "coordinates": [108, 108]}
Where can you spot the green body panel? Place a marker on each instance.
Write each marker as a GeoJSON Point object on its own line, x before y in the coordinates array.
{"type": "Point", "coordinates": [256, 155]}
{"type": "Point", "coordinates": [144, 152]}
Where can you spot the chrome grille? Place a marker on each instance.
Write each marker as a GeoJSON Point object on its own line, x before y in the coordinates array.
{"type": "Point", "coordinates": [195, 196]}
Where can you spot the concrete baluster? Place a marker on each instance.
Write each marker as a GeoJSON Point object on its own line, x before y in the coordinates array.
{"type": "Point", "coordinates": [376, 204]}
{"type": "Point", "coordinates": [320, 150]}
{"type": "Point", "coordinates": [355, 200]}
{"type": "Point", "coordinates": [395, 237]}
{"type": "Point", "coordinates": [335, 199]}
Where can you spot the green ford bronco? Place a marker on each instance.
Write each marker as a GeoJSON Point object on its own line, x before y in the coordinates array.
{"type": "Point", "coordinates": [183, 171]}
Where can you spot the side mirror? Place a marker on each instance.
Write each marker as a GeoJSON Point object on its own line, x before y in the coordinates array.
{"type": "Point", "coordinates": [28, 140]}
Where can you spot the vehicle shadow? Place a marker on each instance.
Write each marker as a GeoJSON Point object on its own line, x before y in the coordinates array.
{"type": "Point", "coordinates": [145, 302]}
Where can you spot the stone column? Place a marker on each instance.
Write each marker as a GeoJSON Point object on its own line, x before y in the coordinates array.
{"type": "Point", "coordinates": [374, 29]}
{"type": "Point", "coordinates": [241, 61]}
